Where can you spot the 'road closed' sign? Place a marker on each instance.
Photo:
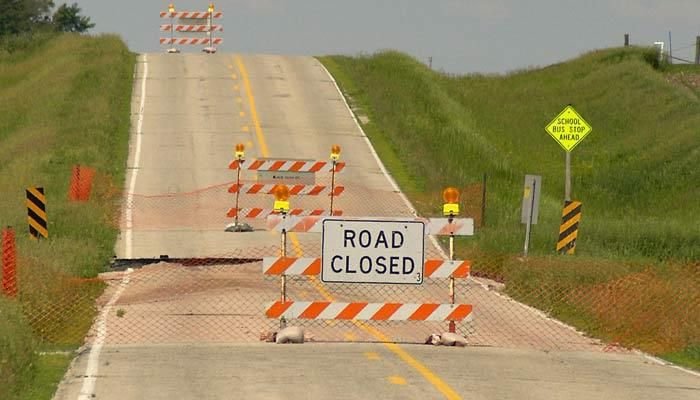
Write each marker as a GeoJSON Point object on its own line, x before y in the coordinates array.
{"type": "Point", "coordinates": [368, 251]}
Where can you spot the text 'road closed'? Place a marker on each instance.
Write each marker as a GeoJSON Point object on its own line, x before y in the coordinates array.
{"type": "Point", "coordinates": [364, 251]}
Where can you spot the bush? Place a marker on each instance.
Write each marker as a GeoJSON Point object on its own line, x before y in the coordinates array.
{"type": "Point", "coordinates": [17, 349]}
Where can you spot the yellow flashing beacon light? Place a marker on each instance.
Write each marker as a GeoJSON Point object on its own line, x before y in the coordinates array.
{"type": "Point", "coordinates": [171, 8]}
{"type": "Point", "coordinates": [281, 198]}
{"type": "Point", "coordinates": [211, 7]}
{"type": "Point", "coordinates": [451, 197]}
{"type": "Point", "coordinates": [335, 152]}
{"type": "Point", "coordinates": [240, 151]}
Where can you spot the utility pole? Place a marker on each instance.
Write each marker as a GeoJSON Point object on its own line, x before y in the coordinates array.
{"type": "Point", "coordinates": [430, 62]}
{"type": "Point", "coordinates": [627, 39]}
{"type": "Point", "coordinates": [697, 50]}
{"type": "Point", "coordinates": [670, 49]}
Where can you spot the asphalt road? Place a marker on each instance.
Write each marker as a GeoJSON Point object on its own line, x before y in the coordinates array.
{"type": "Point", "coordinates": [371, 371]}
{"type": "Point", "coordinates": [187, 117]}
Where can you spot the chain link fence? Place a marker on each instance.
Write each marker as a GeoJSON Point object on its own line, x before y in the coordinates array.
{"type": "Point", "coordinates": [540, 302]}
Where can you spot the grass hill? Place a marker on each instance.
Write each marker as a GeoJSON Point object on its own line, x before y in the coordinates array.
{"type": "Point", "coordinates": [635, 279]}
{"type": "Point", "coordinates": [637, 173]}
{"type": "Point", "coordinates": [64, 100]}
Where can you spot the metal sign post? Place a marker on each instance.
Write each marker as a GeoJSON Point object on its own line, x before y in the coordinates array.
{"type": "Point", "coordinates": [568, 129]}
{"type": "Point", "coordinates": [530, 207]}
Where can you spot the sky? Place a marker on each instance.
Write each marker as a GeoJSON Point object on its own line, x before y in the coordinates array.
{"type": "Point", "coordinates": [461, 36]}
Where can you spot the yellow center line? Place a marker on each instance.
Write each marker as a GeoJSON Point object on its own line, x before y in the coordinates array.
{"type": "Point", "coordinates": [430, 376]}
{"type": "Point", "coordinates": [253, 110]}
{"type": "Point", "coordinates": [396, 380]}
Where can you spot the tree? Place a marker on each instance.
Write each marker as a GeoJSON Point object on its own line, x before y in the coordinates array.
{"type": "Point", "coordinates": [17, 16]}
{"type": "Point", "coordinates": [68, 19]}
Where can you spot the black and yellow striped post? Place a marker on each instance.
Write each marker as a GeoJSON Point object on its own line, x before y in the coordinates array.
{"type": "Point", "coordinates": [568, 231]}
{"type": "Point", "coordinates": [36, 211]}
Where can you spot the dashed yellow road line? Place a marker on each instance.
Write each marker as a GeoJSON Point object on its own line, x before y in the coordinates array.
{"type": "Point", "coordinates": [396, 380]}
{"type": "Point", "coordinates": [253, 111]}
{"type": "Point", "coordinates": [430, 376]}
{"type": "Point", "coordinates": [370, 355]}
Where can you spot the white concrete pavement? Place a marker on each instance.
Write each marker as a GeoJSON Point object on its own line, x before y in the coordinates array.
{"type": "Point", "coordinates": [371, 371]}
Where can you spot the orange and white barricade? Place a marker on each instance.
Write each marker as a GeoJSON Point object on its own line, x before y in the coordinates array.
{"type": "Point", "coordinates": [324, 310]}
{"type": "Point", "coordinates": [433, 226]}
{"type": "Point", "coordinates": [192, 22]}
{"type": "Point", "coordinates": [260, 213]}
{"type": "Point", "coordinates": [295, 190]}
{"type": "Point", "coordinates": [286, 165]}
{"type": "Point", "coordinates": [312, 266]}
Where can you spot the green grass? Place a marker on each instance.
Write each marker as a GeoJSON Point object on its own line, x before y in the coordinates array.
{"type": "Point", "coordinates": [64, 100]}
{"type": "Point", "coordinates": [689, 356]}
{"type": "Point", "coordinates": [637, 175]}
{"type": "Point", "coordinates": [48, 372]}
{"type": "Point", "coordinates": [631, 172]}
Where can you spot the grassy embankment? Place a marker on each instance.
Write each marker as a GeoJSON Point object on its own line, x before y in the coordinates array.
{"type": "Point", "coordinates": [64, 100]}
{"type": "Point", "coordinates": [635, 278]}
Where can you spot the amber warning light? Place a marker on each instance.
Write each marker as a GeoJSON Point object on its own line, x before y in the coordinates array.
{"type": "Point", "coordinates": [281, 198]}
{"type": "Point", "coordinates": [335, 152]}
{"type": "Point", "coordinates": [451, 197]}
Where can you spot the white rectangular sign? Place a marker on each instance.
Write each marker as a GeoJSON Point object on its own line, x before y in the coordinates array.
{"type": "Point", "coordinates": [373, 251]}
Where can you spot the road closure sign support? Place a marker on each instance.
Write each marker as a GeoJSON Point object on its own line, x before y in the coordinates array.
{"type": "Point", "coordinates": [373, 251]}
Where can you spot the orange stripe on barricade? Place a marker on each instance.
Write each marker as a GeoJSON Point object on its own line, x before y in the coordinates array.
{"type": "Point", "coordinates": [314, 310]}
{"type": "Point", "coordinates": [460, 312]}
{"type": "Point", "coordinates": [386, 311]}
{"type": "Point", "coordinates": [423, 312]}
{"type": "Point", "coordinates": [280, 266]}
{"type": "Point", "coordinates": [314, 268]}
{"type": "Point", "coordinates": [351, 311]}
{"type": "Point", "coordinates": [278, 308]}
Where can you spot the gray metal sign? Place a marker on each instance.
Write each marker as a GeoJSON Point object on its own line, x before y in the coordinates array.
{"type": "Point", "coordinates": [287, 177]}
{"type": "Point", "coordinates": [531, 199]}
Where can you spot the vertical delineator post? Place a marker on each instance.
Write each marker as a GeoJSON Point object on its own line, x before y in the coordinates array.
{"type": "Point", "coordinates": [9, 263]}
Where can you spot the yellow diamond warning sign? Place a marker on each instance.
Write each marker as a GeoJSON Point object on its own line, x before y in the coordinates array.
{"type": "Point", "coordinates": [568, 128]}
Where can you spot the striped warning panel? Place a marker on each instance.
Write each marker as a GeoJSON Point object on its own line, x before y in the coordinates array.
{"type": "Point", "coordinates": [446, 227]}
{"type": "Point", "coordinates": [264, 213]}
{"type": "Point", "coordinates": [191, 14]}
{"type": "Point", "coordinates": [36, 211]}
{"type": "Point", "coordinates": [192, 28]}
{"type": "Point", "coordinates": [433, 226]}
{"type": "Point", "coordinates": [568, 231]}
{"type": "Point", "coordinates": [295, 190]}
{"type": "Point", "coordinates": [285, 165]}
{"type": "Point", "coordinates": [312, 266]}
{"type": "Point", "coordinates": [190, 41]}
{"type": "Point", "coordinates": [368, 311]}
{"type": "Point", "coordinates": [276, 223]}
